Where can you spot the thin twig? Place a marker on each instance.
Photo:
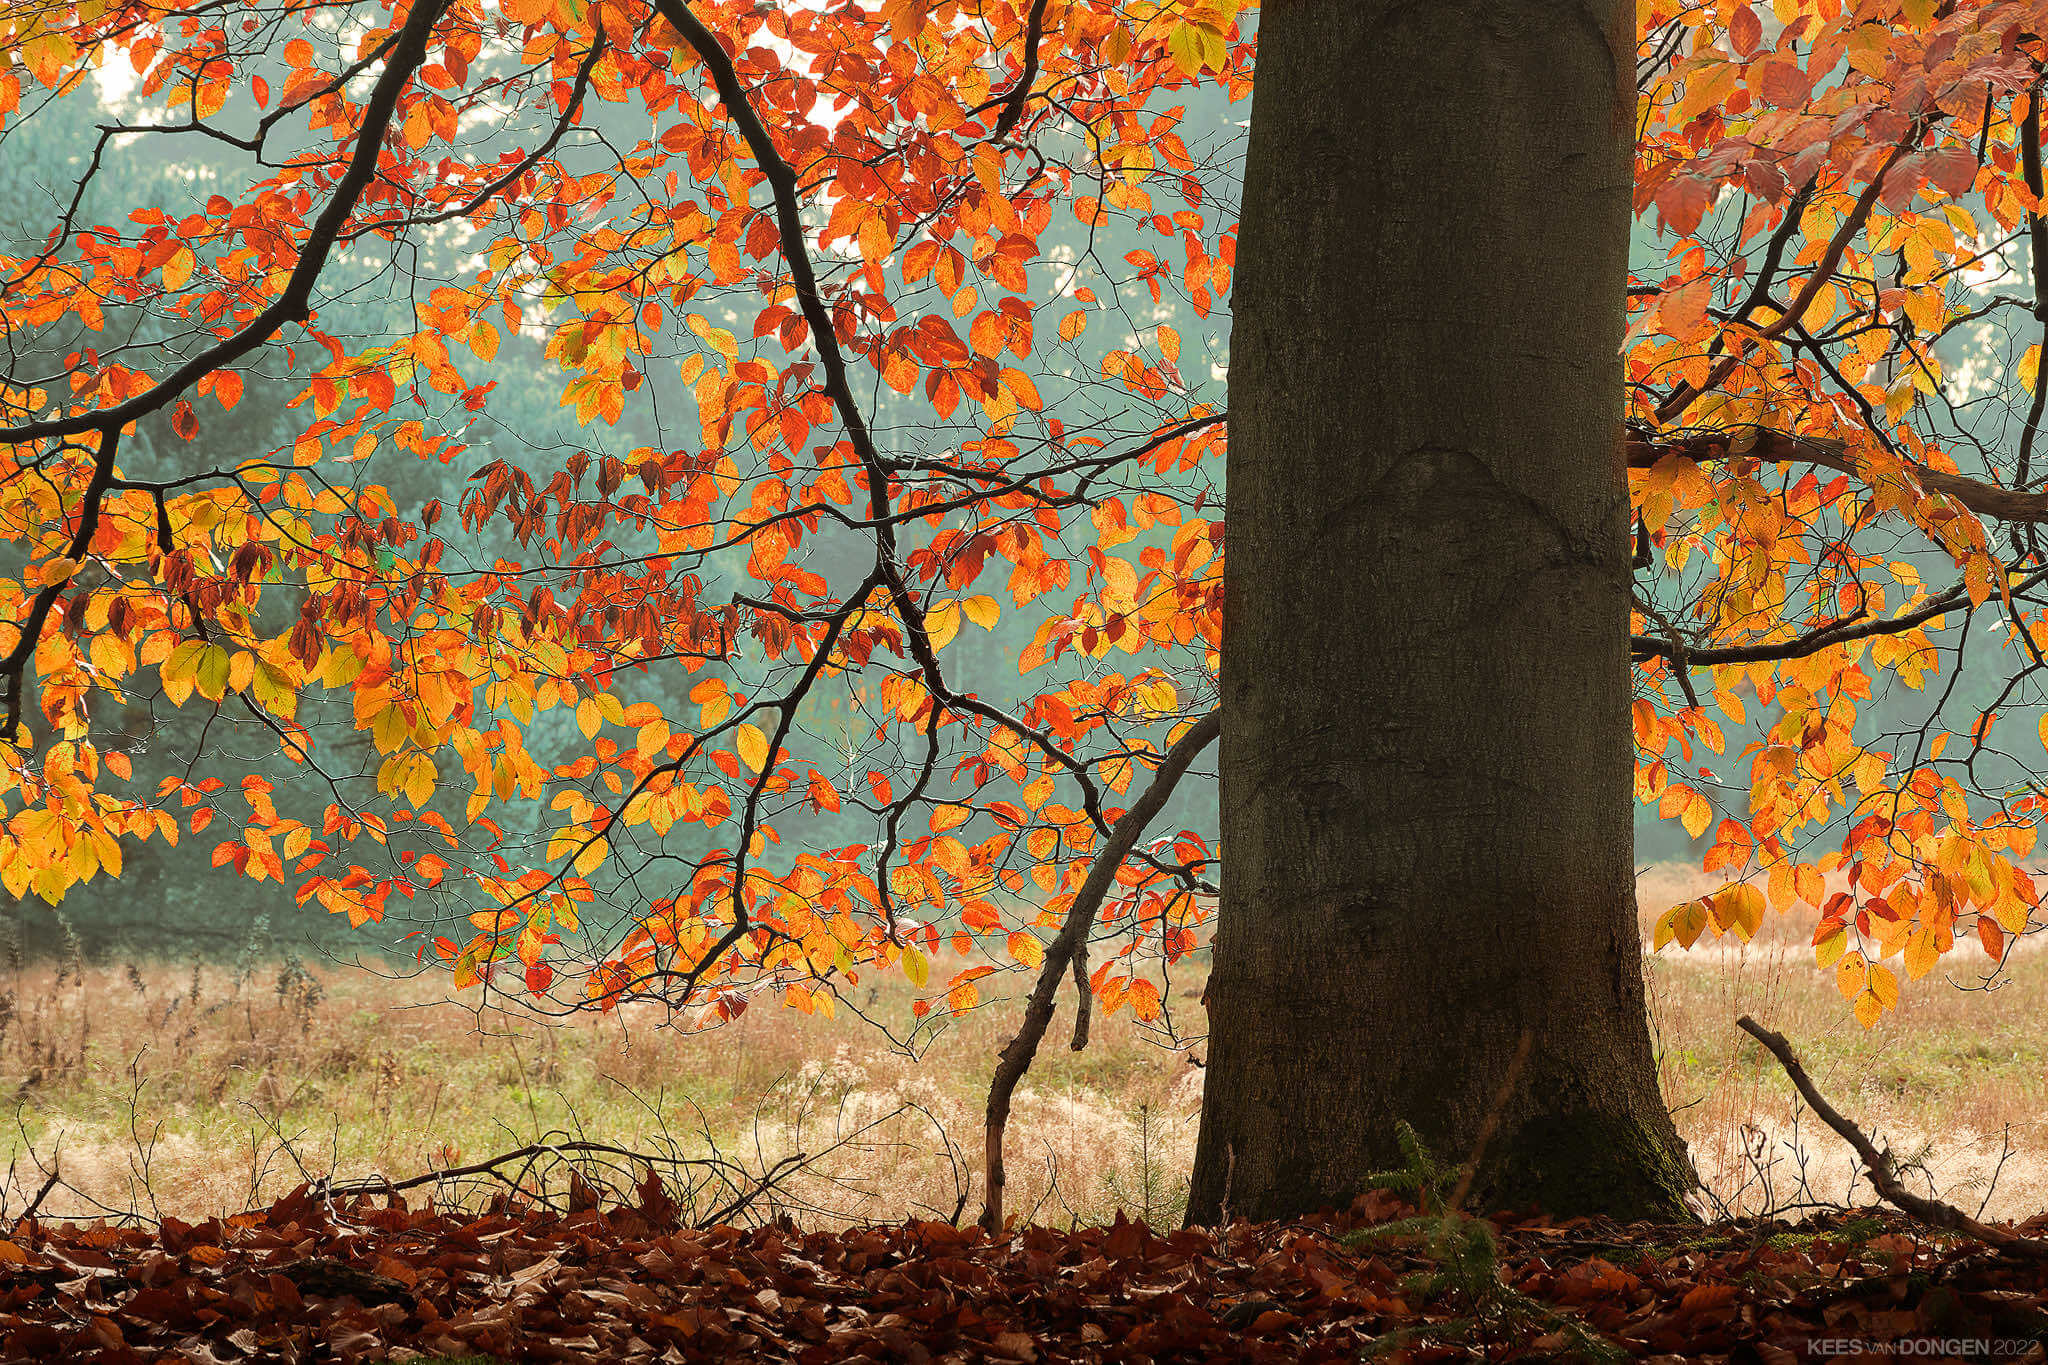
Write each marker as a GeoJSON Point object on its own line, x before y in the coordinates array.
{"type": "Point", "coordinates": [41, 1195]}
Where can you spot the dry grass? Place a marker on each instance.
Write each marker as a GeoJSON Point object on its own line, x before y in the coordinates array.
{"type": "Point", "coordinates": [194, 1091]}
{"type": "Point", "coordinates": [198, 1091]}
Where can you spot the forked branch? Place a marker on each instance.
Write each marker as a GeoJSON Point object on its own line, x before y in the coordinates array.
{"type": "Point", "coordinates": [1016, 1056]}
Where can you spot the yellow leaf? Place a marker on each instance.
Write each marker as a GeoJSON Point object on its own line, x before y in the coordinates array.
{"type": "Point", "coordinates": [1026, 948]}
{"type": "Point", "coordinates": [413, 774]}
{"type": "Point", "coordinates": [419, 780]}
{"type": "Point", "coordinates": [388, 729]}
{"type": "Point", "coordinates": [2012, 914]}
{"type": "Point", "coordinates": [1184, 44]}
{"type": "Point", "coordinates": [1829, 950]}
{"type": "Point", "coordinates": [653, 737]}
{"type": "Point", "coordinates": [1921, 953]}
{"type": "Point", "coordinates": [982, 610]}
{"type": "Point", "coordinates": [47, 55]}
{"type": "Point", "coordinates": [752, 746]}
{"type": "Point", "coordinates": [1682, 923]}
{"type": "Point", "coordinates": [178, 269]}
{"type": "Point", "coordinates": [212, 673]}
{"type": "Point", "coordinates": [942, 623]}
{"type": "Point", "coordinates": [178, 669]}
{"type": "Point", "coordinates": [712, 696]}
{"type": "Point", "coordinates": [1739, 907]}
{"type": "Point", "coordinates": [1849, 976]}
{"type": "Point", "coordinates": [917, 967]}
{"type": "Point", "coordinates": [1696, 814]}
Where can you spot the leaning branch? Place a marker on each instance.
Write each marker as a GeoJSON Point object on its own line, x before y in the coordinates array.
{"type": "Point", "coordinates": [14, 668]}
{"type": "Point", "coordinates": [1016, 1056]}
{"type": "Point", "coordinates": [1883, 1176]}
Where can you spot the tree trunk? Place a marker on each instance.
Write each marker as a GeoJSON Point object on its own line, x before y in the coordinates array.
{"type": "Point", "coordinates": [1426, 756]}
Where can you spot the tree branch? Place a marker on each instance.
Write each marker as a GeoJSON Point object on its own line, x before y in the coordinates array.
{"type": "Point", "coordinates": [293, 302]}
{"type": "Point", "coordinates": [1019, 94]}
{"type": "Point", "coordinates": [1016, 1056]}
{"type": "Point", "coordinates": [1686, 394]}
{"type": "Point", "coordinates": [1841, 632]}
{"type": "Point", "coordinates": [1984, 498]}
{"type": "Point", "coordinates": [1883, 1177]}
{"type": "Point", "coordinates": [14, 668]}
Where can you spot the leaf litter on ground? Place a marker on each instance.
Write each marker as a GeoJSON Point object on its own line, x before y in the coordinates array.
{"type": "Point", "coordinates": [309, 1279]}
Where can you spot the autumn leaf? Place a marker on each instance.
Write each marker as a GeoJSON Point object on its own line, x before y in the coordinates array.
{"type": "Point", "coordinates": [753, 747]}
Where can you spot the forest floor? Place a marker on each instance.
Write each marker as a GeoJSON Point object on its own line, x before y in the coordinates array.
{"type": "Point", "coordinates": [203, 1091]}
{"type": "Point", "coordinates": [308, 1281]}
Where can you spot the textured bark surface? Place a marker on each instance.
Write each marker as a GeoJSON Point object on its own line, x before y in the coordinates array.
{"type": "Point", "coordinates": [1427, 810]}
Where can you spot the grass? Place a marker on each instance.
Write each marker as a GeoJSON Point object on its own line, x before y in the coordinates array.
{"type": "Point", "coordinates": [199, 1091]}
{"type": "Point", "coordinates": [203, 1090]}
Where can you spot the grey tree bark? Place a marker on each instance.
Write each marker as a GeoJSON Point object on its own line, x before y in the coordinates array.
{"type": "Point", "coordinates": [1426, 756]}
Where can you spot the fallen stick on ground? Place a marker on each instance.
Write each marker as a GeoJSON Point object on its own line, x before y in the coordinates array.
{"type": "Point", "coordinates": [1878, 1163]}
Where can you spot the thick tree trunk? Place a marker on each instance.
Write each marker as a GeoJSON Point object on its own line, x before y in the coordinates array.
{"type": "Point", "coordinates": [1426, 752]}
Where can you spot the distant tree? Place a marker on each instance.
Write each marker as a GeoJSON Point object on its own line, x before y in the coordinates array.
{"type": "Point", "coordinates": [888, 324]}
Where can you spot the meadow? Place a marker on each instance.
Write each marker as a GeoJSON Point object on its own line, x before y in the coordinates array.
{"type": "Point", "coordinates": [191, 1089]}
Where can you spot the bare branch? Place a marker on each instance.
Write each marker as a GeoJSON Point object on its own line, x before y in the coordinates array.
{"type": "Point", "coordinates": [1018, 1052]}
{"type": "Point", "coordinates": [1883, 1177]}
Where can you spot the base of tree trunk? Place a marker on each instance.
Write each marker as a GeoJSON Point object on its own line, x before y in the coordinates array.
{"type": "Point", "coordinates": [1502, 1021]}
{"type": "Point", "coordinates": [1593, 1161]}
{"type": "Point", "coordinates": [1572, 1139]}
